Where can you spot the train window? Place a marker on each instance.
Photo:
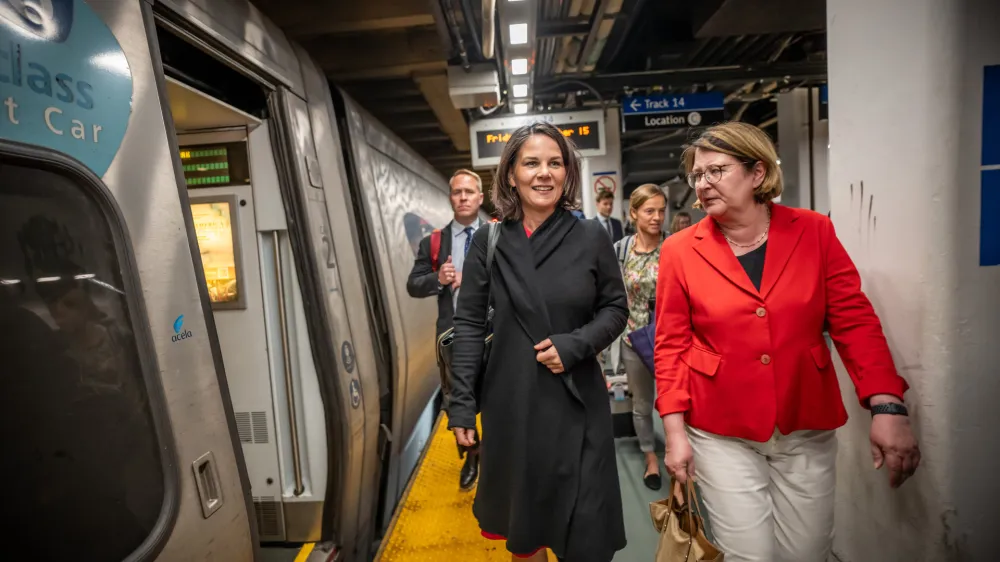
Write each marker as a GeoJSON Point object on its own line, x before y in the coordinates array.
{"type": "Point", "coordinates": [82, 455]}
{"type": "Point", "coordinates": [216, 223]}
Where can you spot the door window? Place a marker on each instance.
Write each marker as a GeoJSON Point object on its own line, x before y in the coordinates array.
{"type": "Point", "coordinates": [82, 457]}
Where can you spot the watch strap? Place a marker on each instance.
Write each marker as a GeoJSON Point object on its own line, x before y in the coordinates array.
{"type": "Point", "coordinates": [890, 408]}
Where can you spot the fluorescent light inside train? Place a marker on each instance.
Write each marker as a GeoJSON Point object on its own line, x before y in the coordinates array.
{"type": "Point", "coordinates": [518, 33]}
{"type": "Point", "coordinates": [520, 108]}
{"type": "Point", "coordinates": [520, 90]}
{"type": "Point", "coordinates": [519, 66]}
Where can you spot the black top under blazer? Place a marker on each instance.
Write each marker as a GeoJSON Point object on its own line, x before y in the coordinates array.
{"type": "Point", "coordinates": [548, 475]}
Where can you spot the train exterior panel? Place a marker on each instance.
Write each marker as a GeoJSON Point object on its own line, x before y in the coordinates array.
{"type": "Point", "coordinates": [204, 501]}
{"type": "Point", "coordinates": [397, 187]}
{"type": "Point", "coordinates": [329, 362]}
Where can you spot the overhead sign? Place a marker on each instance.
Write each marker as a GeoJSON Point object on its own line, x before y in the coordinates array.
{"type": "Point", "coordinates": [66, 83]}
{"type": "Point", "coordinates": [665, 112]}
{"type": "Point", "coordinates": [490, 136]}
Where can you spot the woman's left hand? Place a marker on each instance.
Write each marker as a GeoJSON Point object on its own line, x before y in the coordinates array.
{"type": "Point", "coordinates": [548, 355]}
{"type": "Point", "coordinates": [893, 444]}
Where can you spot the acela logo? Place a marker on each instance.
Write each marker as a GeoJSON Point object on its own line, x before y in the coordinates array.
{"type": "Point", "coordinates": [51, 20]}
{"type": "Point", "coordinates": [178, 334]}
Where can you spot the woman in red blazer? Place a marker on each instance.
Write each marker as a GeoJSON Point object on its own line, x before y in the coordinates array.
{"type": "Point", "coordinates": [745, 383]}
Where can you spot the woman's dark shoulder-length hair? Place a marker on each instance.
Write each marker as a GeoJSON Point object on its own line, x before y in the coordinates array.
{"type": "Point", "coordinates": [504, 194]}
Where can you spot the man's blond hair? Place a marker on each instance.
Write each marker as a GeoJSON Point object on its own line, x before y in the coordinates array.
{"type": "Point", "coordinates": [463, 171]}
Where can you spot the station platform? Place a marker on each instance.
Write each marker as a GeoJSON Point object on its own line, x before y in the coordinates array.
{"type": "Point", "coordinates": [434, 521]}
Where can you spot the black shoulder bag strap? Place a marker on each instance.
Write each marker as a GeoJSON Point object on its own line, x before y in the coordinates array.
{"type": "Point", "coordinates": [491, 248]}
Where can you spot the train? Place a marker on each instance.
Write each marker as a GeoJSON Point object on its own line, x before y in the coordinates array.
{"type": "Point", "coordinates": [204, 248]}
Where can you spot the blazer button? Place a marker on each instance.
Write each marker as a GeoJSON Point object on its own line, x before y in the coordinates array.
{"type": "Point", "coordinates": [765, 359]}
{"type": "Point", "coordinates": [761, 312]}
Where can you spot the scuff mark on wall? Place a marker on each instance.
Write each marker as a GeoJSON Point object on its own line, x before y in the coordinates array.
{"type": "Point", "coordinates": [866, 226]}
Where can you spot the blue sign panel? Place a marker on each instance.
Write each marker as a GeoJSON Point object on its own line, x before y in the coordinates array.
{"type": "Point", "coordinates": [824, 102]}
{"type": "Point", "coordinates": [673, 103]}
{"type": "Point", "coordinates": [672, 111]}
{"type": "Point", "coordinates": [64, 81]}
{"type": "Point", "coordinates": [989, 218]}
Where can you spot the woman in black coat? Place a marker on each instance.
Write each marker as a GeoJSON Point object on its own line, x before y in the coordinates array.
{"type": "Point", "coordinates": [548, 476]}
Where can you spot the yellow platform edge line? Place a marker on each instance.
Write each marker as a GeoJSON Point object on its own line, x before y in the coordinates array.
{"type": "Point", "coordinates": [305, 551]}
{"type": "Point", "coordinates": [438, 425]}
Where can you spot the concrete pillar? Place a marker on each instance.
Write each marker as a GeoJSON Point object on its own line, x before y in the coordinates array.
{"type": "Point", "coordinates": [801, 168]}
{"type": "Point", "coordinates": [607, 169]}
{"type": "Point", "coordinates": [909, 196]}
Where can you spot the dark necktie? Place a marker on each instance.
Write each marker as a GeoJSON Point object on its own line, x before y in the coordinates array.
{"type": "Point", "coordinates": [607, 223]}
{"type": "Point", "coordinates": [468, 239]}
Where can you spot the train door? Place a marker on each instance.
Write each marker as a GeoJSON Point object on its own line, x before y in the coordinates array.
{"type": "Point", "coordinates": [223, 210]}
{"type": "Point", "coordinates": [241, 231]}
{"type": "Point", "coordinates": [114, 414]}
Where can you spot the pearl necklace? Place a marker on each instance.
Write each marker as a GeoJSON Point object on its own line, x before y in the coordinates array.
{"type": "Point", "coordinates": [767, 227]}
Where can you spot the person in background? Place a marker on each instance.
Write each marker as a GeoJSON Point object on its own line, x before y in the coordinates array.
{"type": "Point", "coordinates": [639, 257]}
{"type": "Point", "coordinates": [605, 203]}
{"type": "Point", "coordinates": [746, 385]}
{"type": "Point", "coordinates": [444, 278]}
{"type": "Point", "coordinates": [681, 221]}
{"type": "Point", "coordinates": [549, 475]}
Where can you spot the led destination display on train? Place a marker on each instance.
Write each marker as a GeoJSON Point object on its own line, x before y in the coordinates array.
{"type": "Point", "coordinates": [585, 135]}
{"type": "Point", "coordinates": [215, 165]}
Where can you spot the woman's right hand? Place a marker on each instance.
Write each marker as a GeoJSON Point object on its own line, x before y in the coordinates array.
{"type": "Point", "coordinates": [679, 459]}
{"type": "Point", "coordinates": [465, 437]}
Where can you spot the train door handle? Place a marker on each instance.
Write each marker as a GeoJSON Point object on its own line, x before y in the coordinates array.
{"type": "Point", "coordinates": [206, 477]}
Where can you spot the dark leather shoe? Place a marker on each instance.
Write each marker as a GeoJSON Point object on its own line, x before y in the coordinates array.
{"type": "Point", "coordinates": [470, 471]}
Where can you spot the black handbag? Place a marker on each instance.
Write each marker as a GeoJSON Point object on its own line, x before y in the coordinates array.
{"type": "Point", "coordinates": [446, 339]}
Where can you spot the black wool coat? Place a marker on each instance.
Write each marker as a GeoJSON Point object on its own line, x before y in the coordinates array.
{"type": "Point", "coordinates": [548, 474]}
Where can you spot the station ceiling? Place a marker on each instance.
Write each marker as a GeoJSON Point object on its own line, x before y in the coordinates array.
{"type": "Point", "coordinates": [392, 57]}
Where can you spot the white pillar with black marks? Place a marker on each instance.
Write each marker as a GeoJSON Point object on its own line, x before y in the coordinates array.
{"type": "Point", "coordinates": [914, 190]}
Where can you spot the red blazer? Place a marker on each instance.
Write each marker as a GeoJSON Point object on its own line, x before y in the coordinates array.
{"type": "Point", "coordinates": [740, 362]}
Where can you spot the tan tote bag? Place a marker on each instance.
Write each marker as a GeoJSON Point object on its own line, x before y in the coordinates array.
{"type": "Point", "coordinates": [682, 532]}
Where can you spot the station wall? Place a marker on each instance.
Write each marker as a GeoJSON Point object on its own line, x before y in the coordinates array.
{"type": "Point", "coordinates": [906, 195]}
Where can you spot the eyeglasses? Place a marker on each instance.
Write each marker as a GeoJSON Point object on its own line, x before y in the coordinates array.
{"type": "Point", "coordinates": [712, 175]}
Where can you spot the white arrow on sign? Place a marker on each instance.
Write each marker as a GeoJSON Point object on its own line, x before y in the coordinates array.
{"type": "Point", "coordinates": [633, 105]}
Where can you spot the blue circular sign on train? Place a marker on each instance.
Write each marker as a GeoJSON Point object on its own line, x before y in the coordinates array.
{"type": "Point", "coordinates": [64, 81]}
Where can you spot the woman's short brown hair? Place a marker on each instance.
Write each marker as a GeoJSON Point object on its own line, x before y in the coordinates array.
{"type": "Point", "coordinates": [644, 193]}
{"type": "Point", "coordinates": [504, 194]}
{"type": "Point", "coordinates": [746, 143]}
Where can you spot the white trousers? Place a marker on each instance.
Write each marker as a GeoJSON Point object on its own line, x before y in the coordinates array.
{"type": "Point", "coordinates": [771, 501]}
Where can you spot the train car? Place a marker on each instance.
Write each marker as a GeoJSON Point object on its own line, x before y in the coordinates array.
{"type": "Point", "coordinates": [207, 341]}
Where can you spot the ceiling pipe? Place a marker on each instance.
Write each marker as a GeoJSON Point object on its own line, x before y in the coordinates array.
{"type": "Point", "coordinates": [768, 123]}
{"type": "Point", "coordinates": [470, 24]}
{"type": "Point", "coordinates": [591, 41]}
{"type": "Point", "coordinates": [489, 29]}
{"type": "Point", "coordinates": [456, 32]}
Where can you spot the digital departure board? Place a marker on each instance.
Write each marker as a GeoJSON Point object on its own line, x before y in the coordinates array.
{"type": "Point", "coordinates": [584, 136]}
{"type": "Point", "coordinates": [489, 136]}
{"type": "Point", "coordinates": [215, 165]}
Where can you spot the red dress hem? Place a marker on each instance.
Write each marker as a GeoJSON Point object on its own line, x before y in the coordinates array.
{"type": "Point", "coordinates": [493, 537]}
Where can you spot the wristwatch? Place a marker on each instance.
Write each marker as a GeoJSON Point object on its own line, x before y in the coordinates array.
{"type": "Point", "coordinates": [890, 408]}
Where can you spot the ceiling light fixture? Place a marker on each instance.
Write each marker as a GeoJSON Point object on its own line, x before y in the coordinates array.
{"type": "Point", "coordinates": [520, 90]}
{"type": "Point", "coordinates": [519, 66]}
{"type": "Point", "coordinates": [520, 108]}
{"type": "Point", "coordinates": [518, 33]}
